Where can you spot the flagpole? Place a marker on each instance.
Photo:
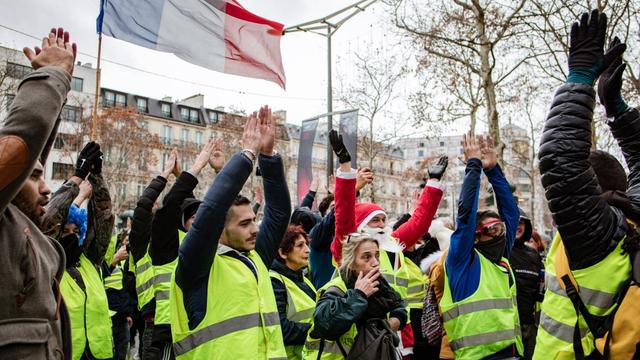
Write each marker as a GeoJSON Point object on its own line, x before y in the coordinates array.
{"type": "Point", "coordinates": [94, 117]}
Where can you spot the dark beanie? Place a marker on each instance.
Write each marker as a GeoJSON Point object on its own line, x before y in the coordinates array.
{"type": "Point", "coordinates": [304, 217]}
{"type": "Point", "coordinates": [188, 208]}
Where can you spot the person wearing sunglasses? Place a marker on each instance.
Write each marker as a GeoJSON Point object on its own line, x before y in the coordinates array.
{"type": "Point", "coordinates": [479, 310]}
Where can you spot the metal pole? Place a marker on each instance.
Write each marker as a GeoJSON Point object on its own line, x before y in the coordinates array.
{"type": "Point", "coordinates": [329, 105]}
{"type": "Point", "coordinates": [94, 113]}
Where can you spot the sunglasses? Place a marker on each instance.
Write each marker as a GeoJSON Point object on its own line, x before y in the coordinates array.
{"type": "Point", "coordinates": [354, 235]}
{"type": "Point", "coordinates": [493, 228]}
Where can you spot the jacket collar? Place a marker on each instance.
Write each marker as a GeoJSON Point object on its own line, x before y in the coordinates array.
{"type": "Point", "coordinates": [282, 269]}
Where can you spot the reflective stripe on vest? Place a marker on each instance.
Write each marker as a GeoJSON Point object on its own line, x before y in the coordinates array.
{"type": "Point", "coordinates": [144, 280]}
{"type": "Point", "coordinates": [396, 276]}
{"type": "Point", "coordinates": [88, 311]}
{"type": "Point", "coordinates": [597, 285]}
{"type": "Point", "coordinates": [161, 288]}
{"type": "Point", "coordinates": [417, 288]}
{"type": "Point", "coordinates": [487, 321]}
{"type": "Point", "coordinates": [114, 281]}
{"type": "Point", "coordinates": [241, 317]}
{"type": "Point", "coordinates": [154, 280]}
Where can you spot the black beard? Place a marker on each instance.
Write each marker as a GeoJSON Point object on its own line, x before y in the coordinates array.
{"type": "Point", "coordinates": [28, 209]}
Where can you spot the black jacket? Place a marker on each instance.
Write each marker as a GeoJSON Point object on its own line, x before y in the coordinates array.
{"type": "Point", "coordinates": [141, 227]}
{"type": "Point", "coordinates": [294, 333]}
{"type": "Point", "coordinates": [590, 228]}
{"type": "Point", "coordinates": [527, 265]}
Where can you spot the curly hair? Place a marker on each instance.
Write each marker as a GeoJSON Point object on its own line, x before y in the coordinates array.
{"type": "Point", "coordinates": [289, 241]}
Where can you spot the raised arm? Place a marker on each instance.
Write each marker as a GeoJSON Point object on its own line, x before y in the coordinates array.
{"type": "Point", "coordinates": [461, 246]}
{"type": "Point", "coordinates": [198, 248]}
{"type": "Point", "coordinates": [31, 125]}
{"type": "Point", "coordinates": [585, 221]}
{"type": "Point", "coordinates": [142, 216]}
{"type": "Point", "coordinates": [418, 225]}
{"type": "Point", "coordinates": [277, 207]}
{"type": "Point", "coordinates": [103, 219]}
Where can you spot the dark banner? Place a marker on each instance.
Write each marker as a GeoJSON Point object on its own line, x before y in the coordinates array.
{"type": "Point", "coordinates": [305, 157]}
{"type": "Point", "coordinates": [349, 132]}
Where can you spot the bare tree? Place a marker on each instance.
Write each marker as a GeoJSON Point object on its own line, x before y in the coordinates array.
{"type": "Point", "coordinates": [473, 44]}
{"type": "Point", "coordinates": [371, 92]}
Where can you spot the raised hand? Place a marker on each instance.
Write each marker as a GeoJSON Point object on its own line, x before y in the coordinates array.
{"type": "Point", "coordinates": [610, 84]}
{"type": "Point", "coordinates": [203, 158]}
{"type": "Point", "coordinates": [331, 184]}
{"type": "Point", "coordinates": [169, 166]}
{"type": "Point", "coordinates": [338, 147]}
{"type": "Point", "coordinates": [488, 151]}
{"type": "Point", "coordinates": [363, 178]}
{"type": "Point", "coordinates": [216, 160]}
{"type": "Point", "coordinates": [56, 51]}
{"type": "Point", "coordinates": [470, 147]}
{"type": "Point", "coordinates": [587, 59]}
{"type": "Point", "coordinates": [251, 140]}
{"type": "Point", "coordinates": [87, 158]}
{"type": "Point", "coordinates": [259, 196]}
{"type": "Point", "coordinates": [314, 183]}
{"type": "Point", "coordinates": [85, 191]}
{"type": "Point", "coordinates": [120, 255]}
{"type": "Point", "coordinates": [368, 284]}
{"type": "Point", "coordinates": [267, 130]}
{"type": "Point", "coordinates": [436, 171]}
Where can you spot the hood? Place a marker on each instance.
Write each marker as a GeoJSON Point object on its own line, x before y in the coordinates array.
{"type": "Point", "coordinates": [528, 228]}
{"type": "Point", "coordinates": [304, 217]}
{"type": "Point", "coordinates": [187, 209]}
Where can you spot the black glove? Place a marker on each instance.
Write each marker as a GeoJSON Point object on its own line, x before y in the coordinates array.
{"type": "Point", "coordinates": [86, 159]}
{"type": "Point", "coordinates": [96, 169]}
{"type": "Point", "coordinates": [338, 147]}
{"type": "Point", "coordinates": [436, 171]}
{"type": "Point", "coordinates": [610, 85]}
{"type": "Point", "coordinates": [587, 59]}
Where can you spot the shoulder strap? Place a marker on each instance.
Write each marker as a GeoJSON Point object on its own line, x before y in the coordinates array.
{"type": "Point", "coordinates": [75, 275]}
{"type": "Point", "coordinates": [334, 290]}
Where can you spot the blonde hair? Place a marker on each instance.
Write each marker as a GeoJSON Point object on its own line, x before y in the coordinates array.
{"type": "Point", "coordinates": [349, 248]}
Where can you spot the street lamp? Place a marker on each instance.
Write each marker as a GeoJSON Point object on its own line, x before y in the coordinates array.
{"type": "Point", "coordinates": [330, 24]}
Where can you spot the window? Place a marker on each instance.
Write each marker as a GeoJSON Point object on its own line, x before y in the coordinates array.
{"type": "Point", "coordinates": [213, 117]}
{"type": "Point", "coordinates": [142, 162]}
{"type": "Point", "coordinates": [165, 157]}
{"type": "Point", "coordinates": [185, 164]}
{"type": "Point", "coordinates": [17, 71]}
{"type": "Point", "coordinates": [62, 171]}
{"type": "Point", "coordinates": [420, 153]}
{"type": "Point", "coordinates": [184, 114]}
{"type": "Point", "coordinates": [166, 134]}
{"type": "Point", "coordinates": [193, 116]}
{"type": "Point", "coordinates": [441, 143]}
{"type": "Point", "coordinates": [142, 105]}
{"type": "Point", "coordinates": [9, 101]}
{"type": "Point", "coordinates": [121, 190]}
{"type": "Point", "coordinates": [185, 136]}
{"type": "Point", "coordinates": [166, 110]}
{"type": "Point", "coordinates": [139, 190]}
{"type": "Point", "coordinates": [199, 138]}
{"type": "Point", "coordinates": [421, 144]}
{"type": "Point", "coordinates": [76, 84]}
{"type": "Point", "coordinates": [71, 113]}
{"type": "Point", "coordinates": [64, 141]}
{"type": "Point", "coordinates": [121, 100]}
{"type": "Point", "coordinates": [109, 98]}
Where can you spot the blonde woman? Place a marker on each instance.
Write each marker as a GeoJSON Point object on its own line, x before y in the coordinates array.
{"type": "Point", "coordinates": [357, 294]}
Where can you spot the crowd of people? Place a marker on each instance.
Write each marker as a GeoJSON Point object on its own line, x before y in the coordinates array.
{"type": "Point", "coordinates": [203, 279]}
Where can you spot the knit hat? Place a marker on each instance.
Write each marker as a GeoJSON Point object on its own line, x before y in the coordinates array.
{"type": "Point", "coordinates": [365, 212]}
{"type": "Point", "coordinates": [189, 207]}
{"type": "Point", "coordinates": [304, 217]}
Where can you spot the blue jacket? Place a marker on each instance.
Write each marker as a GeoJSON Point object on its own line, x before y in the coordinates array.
{"type": "Point", "coordinates": [198, 249]}
{"type": "Point", "coordinates": [462, 266]}
{"type": "Point", "coordinates": [320, 256]}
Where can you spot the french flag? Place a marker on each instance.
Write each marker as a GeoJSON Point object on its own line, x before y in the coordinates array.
{"type": "Point", "coordinates": [216, 34]}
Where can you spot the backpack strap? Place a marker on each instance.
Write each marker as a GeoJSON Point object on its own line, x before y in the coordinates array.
{"type": "Point", "coordinates": [334, 290]}
{"type": "Point", "coordinates": [75, 275]}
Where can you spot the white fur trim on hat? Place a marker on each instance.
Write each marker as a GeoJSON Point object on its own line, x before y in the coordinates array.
{"type": "Point", "coordinates": [369, 217]}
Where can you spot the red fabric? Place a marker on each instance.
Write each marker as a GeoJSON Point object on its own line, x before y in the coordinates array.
{"type": "Point", "coordinates": [418, 225]}
{"type": "Point", "coordinates": [344, 211]}
{"type": "Point", "coordinates": [236, 10]}
{"type": "Point", "coordinates": [407, 336]}
{"type": "Point", "coordinates": [363, 210]}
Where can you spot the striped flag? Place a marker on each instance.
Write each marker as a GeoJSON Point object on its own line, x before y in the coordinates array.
{"type": "Point", "coordinates": [216, 34]}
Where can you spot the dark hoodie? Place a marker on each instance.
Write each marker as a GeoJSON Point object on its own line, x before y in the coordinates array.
{"type": "Point", "coordinates": [527, 268]}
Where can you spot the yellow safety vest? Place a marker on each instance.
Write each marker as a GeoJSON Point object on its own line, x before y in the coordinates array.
{"type": "Point", "coordinates": [398, 278]}
{"type": "Point", "coordinates": [89, 312]}
{"type": "Point", "coordinates": [145, 278]}
{"type": "Point", "coordinates": [300, 308]}
{"type": "Point", "coordinates": [487, 321]}
{"type": "Point", "coordinates": [598, 286]}
{"type": "Point", "coordinates": [241, 319]}
{"type": "Point", "coordinates": [161, 288]}
{"type": "Point", "coordinates": [417, 288]}
{"type": "Point", "coordinates": [330, 350]}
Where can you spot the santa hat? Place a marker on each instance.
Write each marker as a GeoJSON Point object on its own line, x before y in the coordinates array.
{"type": "Point", "coordinates": [365, 212]}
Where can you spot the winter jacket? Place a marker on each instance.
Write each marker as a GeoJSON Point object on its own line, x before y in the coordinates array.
{"type": "Point", "coordinates": [140, 234]}
{"type": "Point", "coordinates": [527, 268]}
{"type": "Point", "coordinates": [308, 199]}
{"type": "Point", "coordinates": [294, 333]}
{"type": "Point", "coordinates": [462, 266]}
{"type": "Point", "coordinates": [407, 234]}
{"type": "Point", "coordinates": [320, 257]}
{"type": "Point", "coordinates": [590, 228]}
{"type": "Point", "coordinates": [199, 248]}
{"type": "Point", "coordinates": [34, 317]}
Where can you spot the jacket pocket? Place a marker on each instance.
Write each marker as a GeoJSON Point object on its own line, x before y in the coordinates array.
{"type": "Point", "coordinates": [27, 339]}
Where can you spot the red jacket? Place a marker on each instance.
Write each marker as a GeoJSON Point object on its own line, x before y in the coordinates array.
{"type": "Point", "coordinates": [408, 234]}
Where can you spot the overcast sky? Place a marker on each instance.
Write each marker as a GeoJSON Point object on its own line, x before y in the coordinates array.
{"type": "Point", "coordinates": [304, 55]}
